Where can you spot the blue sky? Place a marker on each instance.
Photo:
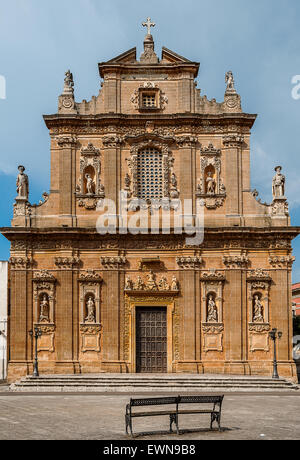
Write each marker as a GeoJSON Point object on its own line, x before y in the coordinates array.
{"type": "Point", "coordinates": [40, 40]}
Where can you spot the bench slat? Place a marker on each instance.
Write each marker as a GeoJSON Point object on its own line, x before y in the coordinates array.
{"type": "Point", "coordinates": [145, 414]}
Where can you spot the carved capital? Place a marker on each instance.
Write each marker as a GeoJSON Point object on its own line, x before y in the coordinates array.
{"type": "Point", "coordinates": [67, 141]}
{"type": "Point", "coordinates": [112, 141]}
{"type": "Point", "coordinates": [90, 276]}
{"type": "Point", "coordinates": [113, 263]}
{"type": "Point", "coordinates": [189, 263]}
{"type": "Point", "coordinates": [67, 263]}
{"type": "Point", "coordinates": [241, 261]}
{"type": "Point", "coordinates": [233, 140]}
{"type": "Point", "coordinates": [282, 262]}
{"type": "Point", "coordinates": [186, 141]}
{"type": "Point", "coordinates": [21, 263]}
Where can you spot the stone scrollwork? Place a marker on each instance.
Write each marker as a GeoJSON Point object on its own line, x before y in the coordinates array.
{"type": "Point", "coordinates": [282, 262]}
{"type": "Point", "coordinates": [113, 262]}
{"type": "Point", "coordinates": [21, 263]}
{"type": "Point", "coordinates": [211, 188]}
{"type": "Point", "coordinates": [236, 261]}
{"type": "Point", "coordinates": [90, 189]}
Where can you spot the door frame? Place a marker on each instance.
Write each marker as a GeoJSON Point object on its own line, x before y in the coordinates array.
{"type": "Point", "coordinates": [150, 302]}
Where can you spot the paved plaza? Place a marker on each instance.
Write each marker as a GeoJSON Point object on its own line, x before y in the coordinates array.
{"type": "Point", "coordinates": [101, 417]}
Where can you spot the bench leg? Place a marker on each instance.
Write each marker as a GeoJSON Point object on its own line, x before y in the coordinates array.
{"type": "Point", "coordinates": [128, 423]}
{"type": "Point", "coordinates": [172, 420]}
{"type": "Point", "coordinates": [215, 417]}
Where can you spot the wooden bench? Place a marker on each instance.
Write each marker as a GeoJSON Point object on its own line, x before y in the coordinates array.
{"type": "Point", "coordinates": [176, 409]}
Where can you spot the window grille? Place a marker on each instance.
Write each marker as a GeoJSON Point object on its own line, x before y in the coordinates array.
{"type": "Point", "coordinates": [149, 100]}
{"type": "Point", "coordinates": [150, 174]}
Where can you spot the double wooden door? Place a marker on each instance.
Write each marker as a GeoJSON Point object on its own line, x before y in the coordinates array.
{"type": "Point", "coordinates": [151, 340]}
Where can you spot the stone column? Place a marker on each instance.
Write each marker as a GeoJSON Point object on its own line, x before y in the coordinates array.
{"type": "Point", "coordinates": [21, 346]}
{"type": "Point", "coordinates": [112, 283]}
{"type": "Point", "coordinates": [187, 289]}
{"type": "Point", "coordinates": [232, 153]}
{"type": "Point", "coordinates": [234, 319]}
{"type": "Point", "coordinates": [65, 318]}
{"type": "Point", "coordinates": [67, 178]}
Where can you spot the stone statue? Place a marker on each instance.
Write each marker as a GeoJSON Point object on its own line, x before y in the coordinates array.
{"type": "Point", "coordinates": [89, 184]}
{"type": "Point", "coordinates": [174, 285]}
{"type": "Point", "coordinates": [151, 284]}
{"type": "Point", "coordinates": [22, 183]}
{"type": "Point", "coordinates": [258, 310]}
{"type": "Point", "coordinates": [278, 183]}
{"type": "Point", "coordinates": [163, 284]}
{"type": "Point", "coordinates": [212, 310]}
{"type": "Point", "coordinates": [91, 310]}
{"type": "Point", "coordinates": [69, 82]}
{"type": "Point", "coordinates": [44, 310]}
{"type": "Point", "coordinates": [128, 284]}
{"type": "Point", "coordinates": [230, 81]}
{"type": "Point", "coordinates": [139, 285]}
{"type": "Point", "coordinates": [211, 184]}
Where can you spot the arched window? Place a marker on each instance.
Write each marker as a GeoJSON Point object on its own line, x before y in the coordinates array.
{"type": "Point", "coordinates": [150, 174]}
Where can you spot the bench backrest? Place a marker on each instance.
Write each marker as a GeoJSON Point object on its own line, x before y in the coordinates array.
{"type": "Point", "coordinates": [201, 399]}
{"type": "Point", "coordinates": [154, 401]}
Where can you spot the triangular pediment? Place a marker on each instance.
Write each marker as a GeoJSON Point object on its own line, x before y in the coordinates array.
{"type": "Point", "coordinates": [126, 57]}
{"type": "Point", "coordinates": [171, 57]}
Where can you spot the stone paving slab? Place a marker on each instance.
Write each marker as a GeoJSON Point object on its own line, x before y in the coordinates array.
{"type": "Point", "coordinates": [101, 417]}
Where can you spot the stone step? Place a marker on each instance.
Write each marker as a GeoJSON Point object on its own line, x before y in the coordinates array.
{"type": "Point", "coordinates": [148, 383]}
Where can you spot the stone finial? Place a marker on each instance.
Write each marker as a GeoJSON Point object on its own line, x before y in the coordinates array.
{"type": "Point", "coordinates": [66, 102]}
{"type": "Point", "coordinates": [149, 56]}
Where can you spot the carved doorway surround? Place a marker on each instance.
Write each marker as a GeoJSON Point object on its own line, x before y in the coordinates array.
{"type": "Point", "coordinates": [146, 300]}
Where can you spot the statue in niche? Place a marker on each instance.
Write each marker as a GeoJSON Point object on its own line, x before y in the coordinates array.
{"type": "Point", "coordinates": [44, 310]}
{"type": "Point", "coordinates": [22, 183]}
{"type": "Point", "coordinates": [210, 184]}
{"type": "Point", "coordinates": [257, 310]}
{"type": "Point", "coordinates": [278, 184]}
{"type": "Point", "coordinates": [89, 184]}
{"type": "Point", "coordinates": [212, 310]}
{"type": "Point", "coordinates": [174, 285]}
{"type": "Point", "coordinates": [91, 310]}
{"type": "Point", "coordinates": [229, 79]}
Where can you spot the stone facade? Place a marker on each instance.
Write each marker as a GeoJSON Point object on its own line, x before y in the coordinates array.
{"type": "Point", "coordinates": [84, 289]}
{"type": "Point", "coordinates": [3, 318]}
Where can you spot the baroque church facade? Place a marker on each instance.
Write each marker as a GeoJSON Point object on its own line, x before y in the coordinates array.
{"type": "Point", "coordinates": [150, 302]}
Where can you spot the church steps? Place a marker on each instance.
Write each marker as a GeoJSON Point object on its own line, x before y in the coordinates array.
{"type": "Point", "coordinates": [130, 383]}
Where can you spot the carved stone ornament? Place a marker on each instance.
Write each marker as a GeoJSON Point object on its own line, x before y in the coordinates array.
{"type": "Point", "coordinates": [67, 141]}
{"type": "Point", "coordinates": [282, 262]}
{"type": "Point", "coordinates": [90, 297]}
{"type": "Point", "coordinates": [212, 283]}
{"type": "Point", "coordinates": [236, 261]}
{"type": "Point", "coordinates": [22, 208]}
{"type": "Point", "coordinates": [263, 327]}
{"type": "Point", "coordinates": [44, 297]}
{"type": "Point", "coordinates": [90, 338]}
{"type": "Point", "coordinates": [151, 284]}
{"type": "Point", "coordinates": [170, 189]}
{"type": "Point", "coordinates": [90, 189]}
{"type": "Point", "coordinates": [279, 207]}
{"type": "Point", "coordinates": [186, 141]}
{"type": "Point", "coordinates": [65, 263]}
{"type": "Point", "coordinates": [258, 274]}
{"type": "Point", "coordinates": [233, 140]}
{"type": "Point", "coordinates": [211, 188]}
{"type": "Point", "coordinates": [137, 95]}
{"type": "Point", "coordinates": [112, 141]}
{"type": "Point", "coordinates": [113, 263]}
{"type": "Point", "coordinates": [189, 263]}
{"type": "Point", "coordinates": [258, 289]}
{"type": "Point", "coordinates": [21, 263]}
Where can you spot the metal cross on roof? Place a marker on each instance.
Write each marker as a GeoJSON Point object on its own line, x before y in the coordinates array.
{"type": "Point", "coordinates": [148, 24]}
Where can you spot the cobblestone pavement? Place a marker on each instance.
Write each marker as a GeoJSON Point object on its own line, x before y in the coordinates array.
{"type": "Point", "coordinates": [96, 417]}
